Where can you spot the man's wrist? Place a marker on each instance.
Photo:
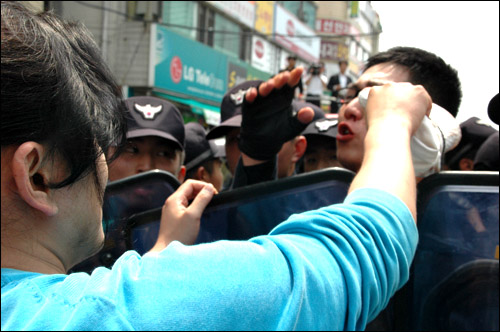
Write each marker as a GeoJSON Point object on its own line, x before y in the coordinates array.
{"type": "Point", "coordinates": [394, 126]}
{"type": "Point", "coordinates": [385, 134]}
{"type": "Point", "coordinates": [251, 174]}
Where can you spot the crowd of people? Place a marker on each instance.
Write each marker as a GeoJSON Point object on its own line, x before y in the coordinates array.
{"type": "Point", "coordinates": [67, 131]}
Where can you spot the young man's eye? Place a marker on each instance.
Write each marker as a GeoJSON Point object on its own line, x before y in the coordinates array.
{"type": "Point", "coordinates": [167, 154]}
{"type": "Point", "coordinates": [131, 148]}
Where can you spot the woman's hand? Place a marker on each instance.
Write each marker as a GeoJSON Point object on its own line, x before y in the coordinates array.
{"type": "Point", "coordinates": [180, 221]}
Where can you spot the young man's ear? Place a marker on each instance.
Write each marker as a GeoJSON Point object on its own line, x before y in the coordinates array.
{"type": "Point", "coordinates": [31, 177]}
{"type": "Point", "coordinates": [201, 174]}
{"type": "Point", "coordinates": [182, 174]}
{"type": "Point", "coordinates": [300, 146]}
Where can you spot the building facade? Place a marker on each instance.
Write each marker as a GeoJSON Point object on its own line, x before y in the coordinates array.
{"type": "Point", "coordinates": [192, 52]}
{"type": "Point", "coordinates": [349, 31]}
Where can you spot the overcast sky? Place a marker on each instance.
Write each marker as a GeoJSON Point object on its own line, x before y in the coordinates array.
{"type": "Point", "coordinates": [464, 33]}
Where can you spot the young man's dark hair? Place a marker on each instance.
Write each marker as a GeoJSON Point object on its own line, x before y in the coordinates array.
{"type": "Point", "coordinates": [67, 98]}
{"type": "Point", "coordinates": [445, 88]}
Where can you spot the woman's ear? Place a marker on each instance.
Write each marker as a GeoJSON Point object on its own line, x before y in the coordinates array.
{"type": "Point", "coordinates": [31, 177]}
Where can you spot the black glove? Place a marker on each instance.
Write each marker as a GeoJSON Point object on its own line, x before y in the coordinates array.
{"type": "Point", "coordinates": [267, 123]}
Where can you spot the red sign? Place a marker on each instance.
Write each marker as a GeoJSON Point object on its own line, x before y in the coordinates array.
{"type": "Point", "coordinates": [290, 28]}
{"type": "Point", "coordinates": [259, 49]}
{"type": "Point", "coordinates": [176, 69]}
{"type": "Point", "coordinates": [332, 26]}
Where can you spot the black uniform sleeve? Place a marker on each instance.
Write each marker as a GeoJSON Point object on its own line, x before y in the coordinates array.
{"type": "Point", "coordinates": [248, 175]}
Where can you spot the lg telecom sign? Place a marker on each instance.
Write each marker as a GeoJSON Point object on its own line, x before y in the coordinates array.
{"type": "Point", "coordinates": [296, 36]}
{"type": "Point", "coordinates": [176, 69]}
{"type": "Point", "coordinates": [180, 68]}
{"type": "Point", "coordinates": [192, 74]}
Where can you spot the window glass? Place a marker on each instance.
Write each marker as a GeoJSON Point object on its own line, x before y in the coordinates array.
{"type": "Point", "coordinates": [180, 13]}
{"type": "Point", "coordinates": [228, 36]}
{"type": "Point", "coordinates": [206, 19]}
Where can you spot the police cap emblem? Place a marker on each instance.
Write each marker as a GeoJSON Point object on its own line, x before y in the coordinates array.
{"type": "Point", "coordinates": [148, 112]}
{"type": "Point", "coordinates": [325, 125]}
{"type": "Point", "coordinates": [238, 96]}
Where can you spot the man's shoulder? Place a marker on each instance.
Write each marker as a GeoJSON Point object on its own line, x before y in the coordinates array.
{"type": "Point", "coordinates": [334, 77]}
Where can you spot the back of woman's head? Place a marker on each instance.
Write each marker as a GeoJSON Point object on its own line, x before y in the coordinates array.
{"type": "Point", "coordinates": [57, 90]}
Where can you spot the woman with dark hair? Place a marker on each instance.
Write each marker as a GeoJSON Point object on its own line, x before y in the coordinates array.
{"type": "Point", "coordinates": [57, 90]}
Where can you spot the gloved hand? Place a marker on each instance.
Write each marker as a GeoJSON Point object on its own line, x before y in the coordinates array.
{"type": "Point", "coordinates": [268, 122]}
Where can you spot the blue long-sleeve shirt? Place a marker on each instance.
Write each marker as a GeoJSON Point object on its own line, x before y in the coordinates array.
{"type": "Point", "coordinates": [328, 269]}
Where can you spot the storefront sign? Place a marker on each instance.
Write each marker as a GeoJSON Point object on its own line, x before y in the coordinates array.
{"type": "Point", "coordinates": [264, 16]}
{"type": "Point", "coordinates": [180, 68]}
{"type": "Point", "coordinates": [239, 72]}
{"type": "Point", "coordinates": [334, 51]}
{"type": "Point", "coordinates": [236, 74]}
{"type": "Point", "coordinates": [263, 55]}
{"type": "Point", "coordinates": [334, 27]}
{"type": "Point", "coordinates": [296, 36]}
{"type": "Point", "coordinates": [243, 11]}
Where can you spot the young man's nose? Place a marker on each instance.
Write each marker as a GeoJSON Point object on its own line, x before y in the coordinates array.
{"type": "Point", "coordinates": [352, 111]}
{"type": "Point", "coordinates": [145, 163]}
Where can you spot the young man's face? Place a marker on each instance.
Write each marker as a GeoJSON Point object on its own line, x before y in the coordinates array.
{"type": "Point", "coordinates": [233, 152]}
{"type": "Point", "coordinates": [343, 67]}
{"type": "Point", "coordinates": [321, 153]}
{"type": "Point", "coordinates": [143, 154]}
{"type": "Point", "coordinates": [216, 177]}
{"type": "Point", "coordinates": [352, 126]}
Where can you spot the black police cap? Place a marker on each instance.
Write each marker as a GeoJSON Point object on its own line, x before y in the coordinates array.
{"type": "Point", "coordinates": [198, 148]}
{"type": "Point", "coordinates": [152, 116]}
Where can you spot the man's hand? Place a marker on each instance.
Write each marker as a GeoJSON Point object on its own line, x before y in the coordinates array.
{"type": "Point", "coordinates": [394, 112]}
{"type": "Point", "coordinates": [403, 103]}
{"type": "Point", "coordinates": [180, 221]}
{"type": "Point", "coordinates": [267, 116]}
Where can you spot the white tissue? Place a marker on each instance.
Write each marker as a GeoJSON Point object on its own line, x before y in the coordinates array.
{"type": "Point", "coordinates": [439, 133]}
